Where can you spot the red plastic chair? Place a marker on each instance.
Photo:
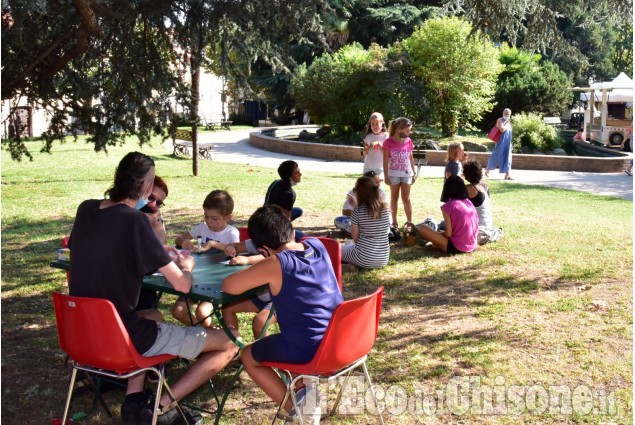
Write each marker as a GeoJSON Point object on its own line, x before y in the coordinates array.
{"type": "Point", "coordinates": [243, 234]}
{"type": "Point", "coordinates": [91, 332]}
{"type": "Point", "coordinates": [334, 248]}
{"type": "Point", "coordinates": [347, 341]}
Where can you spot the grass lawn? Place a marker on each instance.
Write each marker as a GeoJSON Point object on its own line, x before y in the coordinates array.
{"type": "Point", "coordinates": [536, 328]}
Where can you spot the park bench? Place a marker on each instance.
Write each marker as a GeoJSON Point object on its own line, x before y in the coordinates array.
{"type": "Point", "coordinates": [556, 122]}
{"type": "Point", "coordinates": [182, 143]}
{"type": "Point", "coordinates": [213, 125]}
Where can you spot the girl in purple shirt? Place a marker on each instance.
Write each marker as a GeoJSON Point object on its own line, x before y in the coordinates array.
{"type": "Point", "coordinates": [461, 220]}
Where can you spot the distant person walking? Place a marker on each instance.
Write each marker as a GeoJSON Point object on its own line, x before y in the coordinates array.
{"type": "Point", "coordinates": [502, 155]}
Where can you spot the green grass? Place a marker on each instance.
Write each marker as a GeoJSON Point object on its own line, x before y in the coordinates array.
{"type": "Point", "coordinates": [520, 310]}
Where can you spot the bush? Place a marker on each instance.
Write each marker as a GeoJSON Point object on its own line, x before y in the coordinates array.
{"type": "Point", "coordinates": [529, 130]}
{"type": "Point", "coordinates": [342, 89]}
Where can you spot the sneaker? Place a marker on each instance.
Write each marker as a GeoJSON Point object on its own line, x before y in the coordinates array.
{"type": "Point", "coordinates": [131, 410]}
{"type": "Point", "coordinates": [431, 223]}
{"type": "Point", "coordinates": [171, 417]}
{"type": "Point", "coordinates": [311, 411]}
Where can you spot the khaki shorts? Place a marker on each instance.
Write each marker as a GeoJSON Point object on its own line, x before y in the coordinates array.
{"type": "Point", "coordinates": [181, 341]}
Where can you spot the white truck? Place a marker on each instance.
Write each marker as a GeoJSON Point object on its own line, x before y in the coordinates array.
{"type": "Point", "coordinates": [609, 112]}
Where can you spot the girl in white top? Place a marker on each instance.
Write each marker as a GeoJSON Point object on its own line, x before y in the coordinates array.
{"type": "Point", "coordinates": [375, 135]}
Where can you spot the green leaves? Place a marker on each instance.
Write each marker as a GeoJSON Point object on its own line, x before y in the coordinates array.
{"type": "Point", "coordinates": [458, 66]}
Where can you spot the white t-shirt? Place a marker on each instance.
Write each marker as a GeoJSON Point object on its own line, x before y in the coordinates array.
{"type": "Point", "coordinates": [229, 234]}
{"type": "Point", "coordinates": [347, 205]}
{"type": "Point", "coordinates": [375, 156]}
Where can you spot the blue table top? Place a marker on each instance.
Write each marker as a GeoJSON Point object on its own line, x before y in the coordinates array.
{"type": "Point", "coordinates": [208, 275]}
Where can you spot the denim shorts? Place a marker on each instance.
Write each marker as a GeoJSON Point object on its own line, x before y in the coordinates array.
{"type": "Point", "coordinates": [394, 180]}
{"type": "Point", "coordinates": [181, 341]}
{"type": "Point", "coordinates": [260, 304]}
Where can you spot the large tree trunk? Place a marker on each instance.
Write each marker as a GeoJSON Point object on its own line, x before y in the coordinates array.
{"type": "Point", "coordinates": [195, 70]}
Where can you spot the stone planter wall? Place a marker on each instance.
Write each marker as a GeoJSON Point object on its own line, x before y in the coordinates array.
{"type": "Point", "coordinates": [353, 153]}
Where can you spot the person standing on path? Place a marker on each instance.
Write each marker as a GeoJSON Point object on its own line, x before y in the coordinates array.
{"type": "Point", "coordinates": [502, 154]}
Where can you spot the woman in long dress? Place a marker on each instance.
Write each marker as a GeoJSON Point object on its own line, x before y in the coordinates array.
{"type": "Point", "coordinates": [502, 154]}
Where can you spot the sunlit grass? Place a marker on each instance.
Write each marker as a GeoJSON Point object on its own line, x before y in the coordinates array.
{"type": "Point", "coordinates": [521, 308]}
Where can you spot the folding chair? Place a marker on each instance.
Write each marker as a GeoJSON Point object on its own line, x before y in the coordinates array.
{"type": "Point", "coordinates": [92, 334]}
{"type": "Point", "coordinates": [334, 248]}
{"type": "Point", "coordinates": [347, 341]}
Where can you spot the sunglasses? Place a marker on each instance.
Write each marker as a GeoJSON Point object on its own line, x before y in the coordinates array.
{"type": "Point", "coordinates": [158, 202]}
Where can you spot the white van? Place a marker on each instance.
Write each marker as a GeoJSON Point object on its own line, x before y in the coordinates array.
{"type": "Point", "coordinates": [611, 105]}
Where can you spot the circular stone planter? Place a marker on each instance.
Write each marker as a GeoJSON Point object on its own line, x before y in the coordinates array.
{"type": "Point", "coordinates": [278, 143]}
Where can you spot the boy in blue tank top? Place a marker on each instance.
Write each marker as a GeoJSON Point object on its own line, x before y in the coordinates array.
{"type": "Point", "coordinates": [304, 292]}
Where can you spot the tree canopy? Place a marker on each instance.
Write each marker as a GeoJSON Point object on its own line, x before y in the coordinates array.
{"type": "Point", "coordinates": [536, 24]}
{"type": "Point", "coordinates": [114, 68]}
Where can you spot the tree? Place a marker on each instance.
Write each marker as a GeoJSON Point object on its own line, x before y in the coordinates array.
{"type": "Point", "coordinates": [458, 66]}
{"type": "Point", "coordinates": [113, 68]}
{"type": "Point", "coordinates": [343, 88]}
{"type": "Point", "coordinates": [535, 24]}
{"type": "Point", "coordinates": [386, 22]}
{"type": "Point", "coordinates": [528, 84]}
{"type": "Point", "coordinates": [543, 91]}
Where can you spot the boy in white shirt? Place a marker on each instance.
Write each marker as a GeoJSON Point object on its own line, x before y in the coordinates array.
{"type": "Point", "coordinates": [214, 233]}
{"type": "Point", "coordinates": [343, 222]}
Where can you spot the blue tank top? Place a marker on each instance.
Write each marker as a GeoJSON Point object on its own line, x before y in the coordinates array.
{"type": "Point", "coordinates": [308, 296]}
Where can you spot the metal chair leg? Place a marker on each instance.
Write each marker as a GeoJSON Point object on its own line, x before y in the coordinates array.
{"type": "Point", "coordinates": [70, 395]}
{"type": "Point", "coordinates": [372, 392]}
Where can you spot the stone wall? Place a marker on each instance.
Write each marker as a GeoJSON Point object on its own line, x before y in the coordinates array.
{"type": "Point", "coordinates": [353, 153]}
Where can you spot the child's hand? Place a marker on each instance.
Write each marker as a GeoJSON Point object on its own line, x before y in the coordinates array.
{"type": "Point", "coordinates": [351, 200]}
{"type": "Point", "coordinates": [414, 179]}
{"type": "Point", "coordinates": [230, 250]}
{"type": "Point", "coordinates": [173, 252]}
{"type": "Point", "coordinates": [185, 262]}
{"type": "Point", "coordinates": [241, 260]}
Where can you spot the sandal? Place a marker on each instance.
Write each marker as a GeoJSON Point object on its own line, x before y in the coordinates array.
{"type": "Point", "coordinates": [508, 178]}
{"type": "Point", "coordinates": [411, 232]}
{"type": "Point", "coordinates": [395, 234]}
{"type": "Point", "coordinates": [486, 173]}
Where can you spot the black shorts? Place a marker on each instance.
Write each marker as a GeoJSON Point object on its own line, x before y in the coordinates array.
{"type": "Point", "coordinates": [452, 249]}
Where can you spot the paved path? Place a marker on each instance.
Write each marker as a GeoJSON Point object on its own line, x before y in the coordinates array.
{"type": "Point", "coordinates": [234, 147]}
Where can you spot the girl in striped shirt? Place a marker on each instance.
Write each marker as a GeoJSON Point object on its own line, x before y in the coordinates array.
{"type": "Point", "coordinates": [370, 223]}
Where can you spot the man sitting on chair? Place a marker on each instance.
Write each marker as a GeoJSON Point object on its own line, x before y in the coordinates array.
{"type": "Point", "coordinates": [113, 247]}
